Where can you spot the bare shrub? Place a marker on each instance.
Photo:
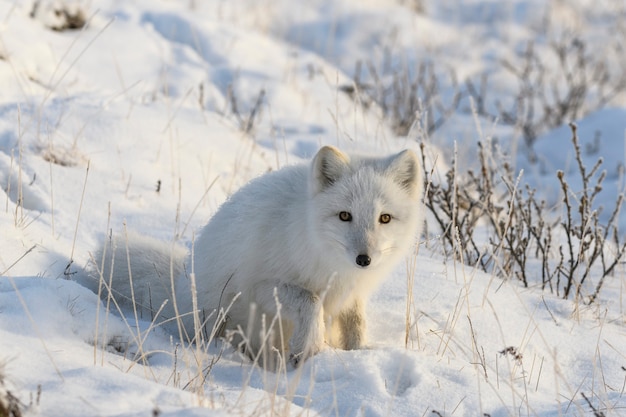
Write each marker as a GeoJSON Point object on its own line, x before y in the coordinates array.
{"type": "Point", "coordinates": [559, 80]}
{"type": "Point", "coordinates": [10, 405]}
{"type": "Point", "coordinates": [59, 15]}
{"type": "Point", "coordinates": [566, 244]}
{"type": "Point", "coordinates": [402, 94]}
{"type": "Point", "coordinates": [587, 239]}
{"type": "Point", "coordinates": [418, 6]}
{"type": "Point", "coordinates": [246, 121]}
{"type": "Point", "coordinates": [575, 83]}
{"type": "Point", "coordinates": [63, 156]}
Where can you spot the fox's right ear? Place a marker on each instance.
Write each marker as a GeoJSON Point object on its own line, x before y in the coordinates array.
{"type": "Point", "coordinates": [328, 165]}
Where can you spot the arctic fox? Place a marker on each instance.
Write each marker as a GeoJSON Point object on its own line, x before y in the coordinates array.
{"type": "Point", "coordinates": [288, 262]}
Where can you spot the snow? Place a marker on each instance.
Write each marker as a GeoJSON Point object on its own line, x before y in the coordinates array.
{"type": "Point", "coordinates": [129, 123]}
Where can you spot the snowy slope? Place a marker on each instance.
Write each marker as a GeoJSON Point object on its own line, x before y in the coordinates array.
{"type": "Point", "coordinates": [158, 110]}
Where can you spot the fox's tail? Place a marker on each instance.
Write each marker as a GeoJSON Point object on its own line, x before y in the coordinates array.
{"type": "Point", "coordinates": [139, 273]}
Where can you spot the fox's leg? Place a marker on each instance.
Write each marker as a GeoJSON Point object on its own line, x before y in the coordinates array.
{"type": "Point", "coordinates": [351, 324]}
{"type": "Point", "coordinates": [305, 311]}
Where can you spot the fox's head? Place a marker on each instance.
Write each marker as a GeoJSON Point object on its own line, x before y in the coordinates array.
{"type": "Point", "coordinates": [366, 211]}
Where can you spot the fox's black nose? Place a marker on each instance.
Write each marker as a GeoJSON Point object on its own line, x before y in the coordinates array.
{"type": "Point", "coordinates": [363, 260]}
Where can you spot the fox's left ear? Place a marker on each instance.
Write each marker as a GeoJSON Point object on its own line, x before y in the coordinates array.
{"type": "Point", "coordinates": [327, 167]}
{"type": "Point", "coordinates": [405, 170]}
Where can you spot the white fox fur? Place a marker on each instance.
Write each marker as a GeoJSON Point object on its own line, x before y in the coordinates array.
{"type": "Point", "coordinates": [315, 239]}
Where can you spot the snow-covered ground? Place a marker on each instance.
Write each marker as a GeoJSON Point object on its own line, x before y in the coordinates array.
{"type": "Point", "coordinates": [158, 110]}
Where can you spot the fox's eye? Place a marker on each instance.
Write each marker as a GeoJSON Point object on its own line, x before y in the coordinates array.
{"type": "Point", "coordinates": [344, 216]}
{"type": "Point", "coordinates": [384, 218]}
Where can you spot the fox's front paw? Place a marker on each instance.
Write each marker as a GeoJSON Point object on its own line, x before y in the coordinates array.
{"type": "Point", "coordinates": [295, 360]}
{"type": "Point", "coordinates": [300, 353]}
{"type": "Point", "coordinates": [298, 358]}
{"type": "Point", "coordinates": [303, 345]}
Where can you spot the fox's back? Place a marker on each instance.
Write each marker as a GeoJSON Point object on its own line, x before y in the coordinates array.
{"type": "Point", "coordinates": [255, 229]}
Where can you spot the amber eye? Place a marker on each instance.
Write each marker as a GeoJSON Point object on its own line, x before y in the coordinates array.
{"type": "Point", "coordinates": [344, 216]}
{"type": "Point", "coordinates": [385, 218]}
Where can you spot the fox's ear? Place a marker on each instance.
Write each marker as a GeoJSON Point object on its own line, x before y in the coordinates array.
{"type": "Point", "coordinates": [328, 166]}
{"type": "Point", "coordinates": [404, 168]}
